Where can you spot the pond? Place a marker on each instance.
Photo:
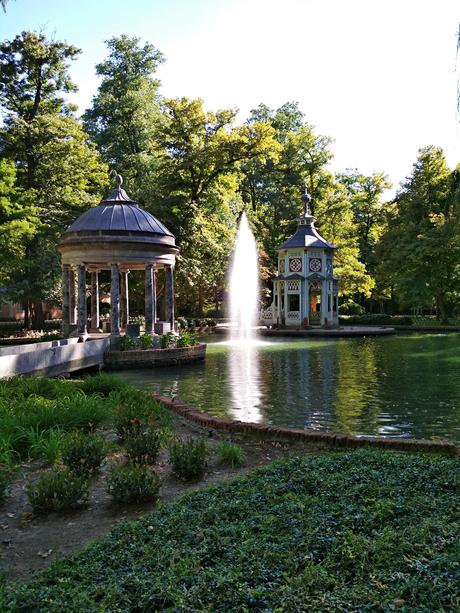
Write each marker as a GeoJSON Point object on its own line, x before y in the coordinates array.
{"type": "Point", "coordinates": [407, 385]}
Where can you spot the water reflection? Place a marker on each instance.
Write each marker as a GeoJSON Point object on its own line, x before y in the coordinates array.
{"type": "Point", "coordinates": [244, 382]}
{"type": "Point", "coordinates": [389, 386]}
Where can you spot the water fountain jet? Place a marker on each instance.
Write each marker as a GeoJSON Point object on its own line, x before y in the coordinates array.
{"type": "Point", "coordinates": [244, 285]}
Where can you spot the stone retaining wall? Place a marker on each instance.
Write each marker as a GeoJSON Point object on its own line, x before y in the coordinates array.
{"type": "Point", "coordinates": [328, 439]}
{"type": "Point", "coordinates": [147, 358]}
{"type": "Point", "coordinates": [52, 358]}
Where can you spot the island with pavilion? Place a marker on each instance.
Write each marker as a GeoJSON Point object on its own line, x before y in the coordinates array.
{"type": "Point", "coordinates": [119, 236]}
{"type": "Point", "coordinates": [305, 289]}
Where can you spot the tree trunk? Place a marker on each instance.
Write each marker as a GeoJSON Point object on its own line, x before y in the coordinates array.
{"type": "Point", "coordinates": [200, 300]}
{"type": "Point", "coordinates": [441, 309]}
{"type": "Point", "coordinates": [26, 315]}
{"type": "Point", "coordinates": [38, 318]}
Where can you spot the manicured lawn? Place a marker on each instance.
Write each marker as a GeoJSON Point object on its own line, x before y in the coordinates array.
{"type": "Point", "coordinates": [362, 531]}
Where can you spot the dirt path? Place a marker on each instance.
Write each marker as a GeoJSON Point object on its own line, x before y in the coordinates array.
{"type": "Point", "coordinates": [29, 543]}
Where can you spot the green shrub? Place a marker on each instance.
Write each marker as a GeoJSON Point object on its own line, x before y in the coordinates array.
{"type": "Point", "coordinates": [231, 454]}
{"type": "Point", "coordinates": [168, 340]}
{"type": "Point", "coordinates": [133, 484]}
{"type": "Point", "coordinates": [102, 384]}
{"type": "Point", "coordinates": [143, 447]}
{"type": "Point", "coordinates": [125, 343]}
{"type": "Point", "coordinates": [134, 410]}
{"type": "Point", "coordinates": [188, 338]}
{"type": "Point", "coordinates": [46, 445]}
{"type": "Point", "coordinates": [146, 341]}
{"type": "Point", "coordinates": [83, 453]}
{"type": "Point", "coordinates": [351, 308]}
{"type": "Point", "coordinates": [57, 490]}
{"type": "Point", "coordinates": [8, 456]}
{"type": "Point", "coordinates": [24, 387]}
{"type": "Point", "coordinates": [188, 458]}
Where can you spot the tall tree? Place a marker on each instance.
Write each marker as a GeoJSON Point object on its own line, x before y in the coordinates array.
{"type": "Point", "coordinates": [272, 190]}
{"type": "Point", "coordinates": [51, 152]}
{"type": "Point", "coordinates": [369, 213]}
{"type": "Point", "coordinates": [202, 155]}
{"type": "Point", "coordinates": [125, 111]}
{"type": "Point", "coordinates": [420, 252]}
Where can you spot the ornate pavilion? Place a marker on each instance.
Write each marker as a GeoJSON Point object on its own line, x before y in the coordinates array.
{"type": "Point", "coordinates": [119, 236]}
{"type": "Point", "coordinates": [305, 290]}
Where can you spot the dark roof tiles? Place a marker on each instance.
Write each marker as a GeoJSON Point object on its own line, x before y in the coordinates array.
{"type": "Point", "coordinates": [122, 217]}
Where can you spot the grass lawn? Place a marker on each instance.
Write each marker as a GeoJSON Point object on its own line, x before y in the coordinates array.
{"type": "Point", "coordinates": [360, 531]}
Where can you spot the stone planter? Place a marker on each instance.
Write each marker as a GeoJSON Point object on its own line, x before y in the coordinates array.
{"type": "Point", "coordinates": [151, 358]}
{"type": "Point", "coordinates": [133, 330]}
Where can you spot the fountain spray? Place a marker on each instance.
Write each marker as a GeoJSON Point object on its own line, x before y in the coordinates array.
{"type": "Point", "coordinates": [244, 284]}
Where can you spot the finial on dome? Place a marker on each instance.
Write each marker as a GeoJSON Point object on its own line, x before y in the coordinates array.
{"type": "Point", "coordinates": [306, 198]}
{"type": "Point", "coordinates": [118, 180]}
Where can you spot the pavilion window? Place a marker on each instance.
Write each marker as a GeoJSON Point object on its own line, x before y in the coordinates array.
{"type": "Point", "coordinates": [294, 302]}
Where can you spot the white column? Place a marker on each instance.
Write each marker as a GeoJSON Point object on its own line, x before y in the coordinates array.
{"type": "Point", "coordinates": [72, 301]}
{"type": "Point", "coordinates": [82, 309]}
{"type": "Point", "coordinates": [65, 299]}
{"type": "Point", "coordinates": [169, 289]}
{"type": "Point", "coordinates": [95, 300]}
{"type": "Point", "coordinates": [150, 299]}
{"type": "Point", "coordinates": [124, 306]}
{"type": "Point", "coordinates": [115, 300]}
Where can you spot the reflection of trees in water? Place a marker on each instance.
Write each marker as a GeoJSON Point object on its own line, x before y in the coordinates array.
{"type": "Point", "coordinates": [300, 388]}
{"type": "Point", "coordinates": [245, 383]}
{"type": "Point", "coordinates": [356, 381]}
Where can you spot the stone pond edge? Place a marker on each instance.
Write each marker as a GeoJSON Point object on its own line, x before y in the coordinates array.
{"type": "Point", "coordinates": [328, 439]}
{"type": "Point", "coordinates": [146, 358]}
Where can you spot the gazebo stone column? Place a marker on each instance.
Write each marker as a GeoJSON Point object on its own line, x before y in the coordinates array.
{"type": "Point", "coordinates": [82, 310]}
{"type": "Point", "coordinates": [115, 300]}
{"type": "Point", "coordinates": [124, 306]}
{"type": "Point", "coordinates": [150, 299]}
{"type": "Point", "coordinates": [169, 294]}
{"type": "Point", "coordinates": [72, 301]}
{"type": "Point", "coordinates": [95, 300]}
{"type": "Point", "coordinates": [65, 299]}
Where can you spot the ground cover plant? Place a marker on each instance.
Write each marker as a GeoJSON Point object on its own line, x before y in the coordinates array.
{"type": "Point", "coordinates": [355, 531]}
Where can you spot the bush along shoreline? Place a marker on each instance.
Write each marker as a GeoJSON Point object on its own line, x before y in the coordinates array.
{"type": "Point", "coordinates": [345, 531]}
{"type": "Point", "coordinates": [187, 338]}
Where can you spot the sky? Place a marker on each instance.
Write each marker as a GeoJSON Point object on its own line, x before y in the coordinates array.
{"type": "Point", "coordinates": [378, 76]}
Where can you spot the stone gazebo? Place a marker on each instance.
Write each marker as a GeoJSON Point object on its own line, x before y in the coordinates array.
{"type": "Point", "coordinates": [118, 236]}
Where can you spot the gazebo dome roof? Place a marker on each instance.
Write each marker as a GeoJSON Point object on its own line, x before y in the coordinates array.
{"type": "Point", "coordinates": [122, 217]}
{"type": "Point", "coordinates": [118, 230]}
{"type": "Point", "coordinates": [118, 213]}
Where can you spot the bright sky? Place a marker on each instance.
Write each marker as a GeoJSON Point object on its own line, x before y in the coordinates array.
{"type": "Point", "coordinates": [378, 76]}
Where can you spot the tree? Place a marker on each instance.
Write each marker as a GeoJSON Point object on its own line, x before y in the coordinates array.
{"type": "Point", "coordinates": [272, 190]}
{"type": "Point", "coordinates": [18, 221]}
{"type": "Point", "coordinates": [369, 213]}
{"type": "Point", "coordinates": [201, 154]}
{"type": "Point", "coordinates": [420, 252]}
{"type": "Point", "coordinates": [54, 161]}
{"type": "Point", "coordinates": [125, 112]}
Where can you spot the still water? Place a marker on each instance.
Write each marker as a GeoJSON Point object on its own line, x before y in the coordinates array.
{"type": "Point", "coordinates": [406, 385]}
